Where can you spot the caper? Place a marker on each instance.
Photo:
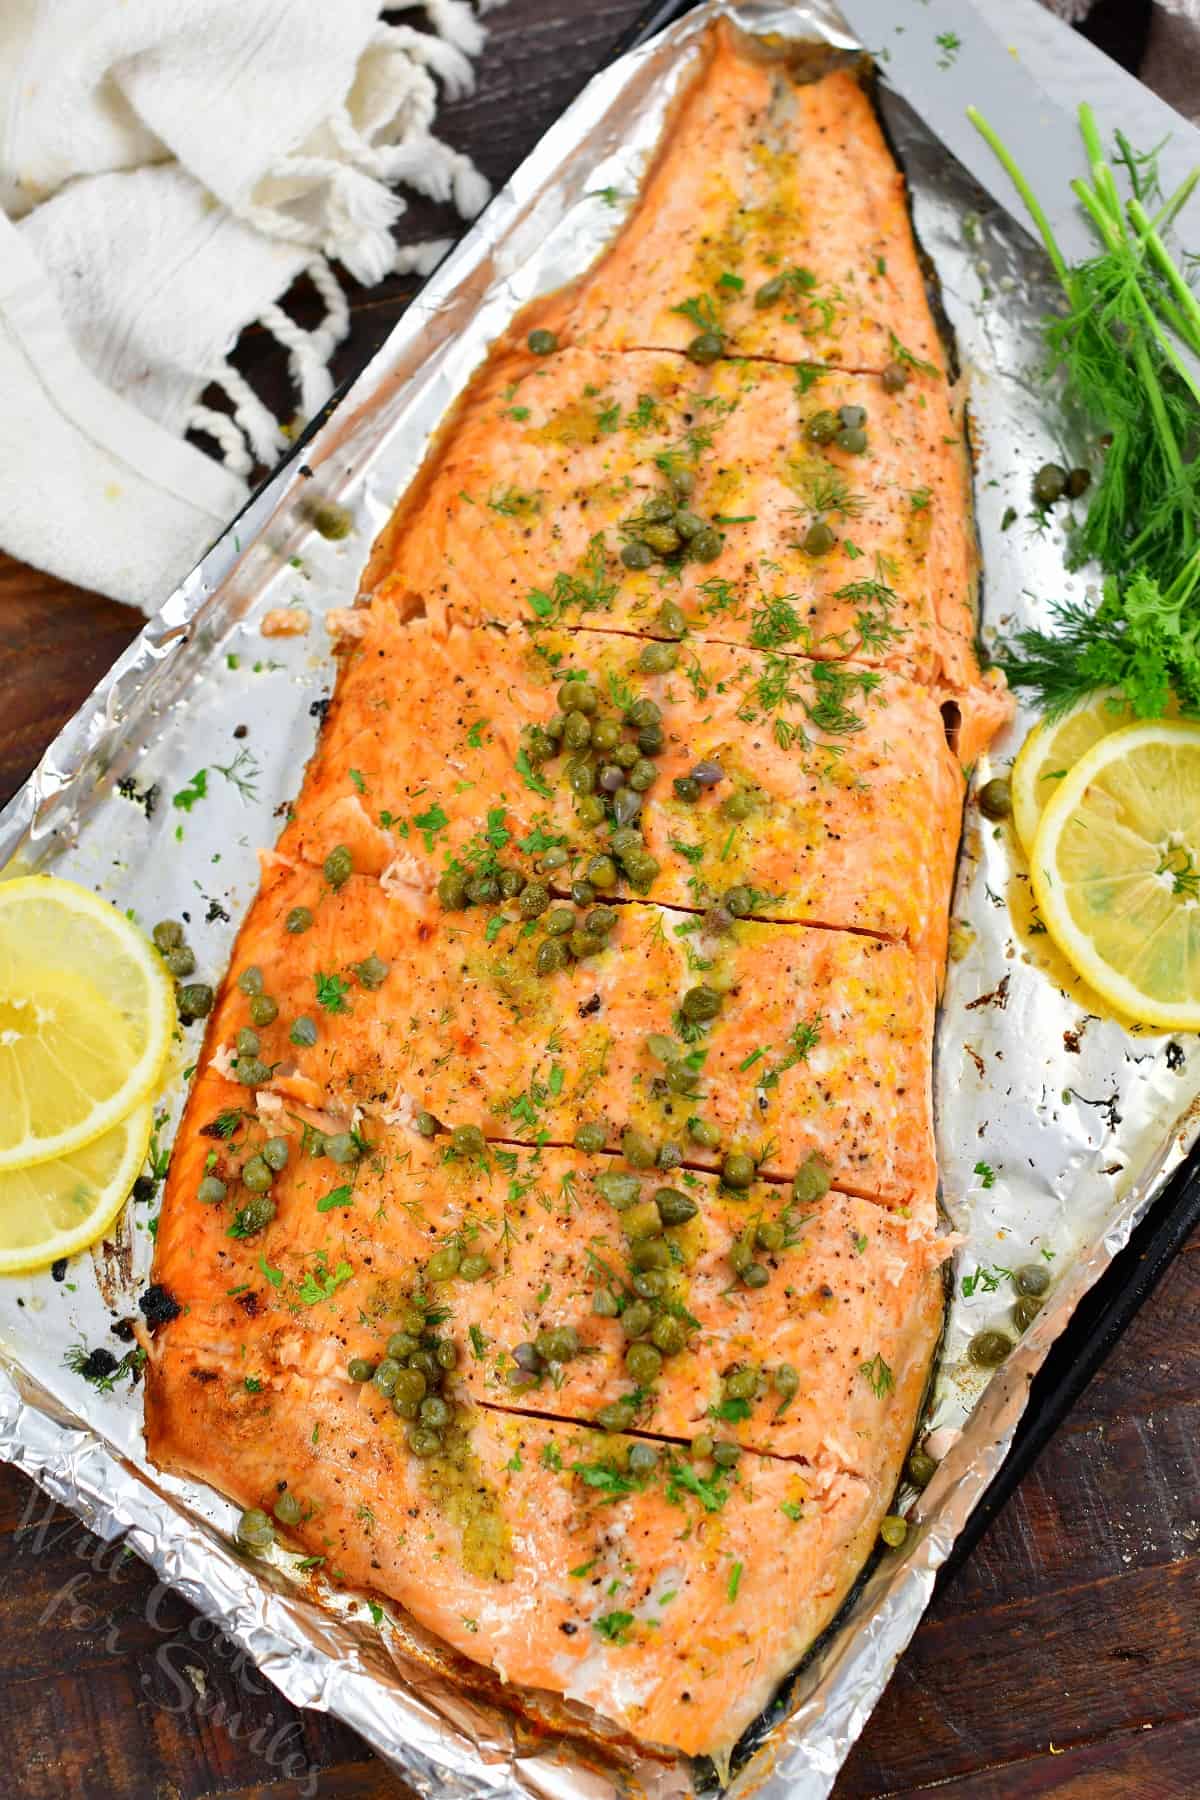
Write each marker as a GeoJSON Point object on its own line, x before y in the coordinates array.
{"type": "Point", "coordinates": [637, 1319]}
{"type": "Point", "coordinates": [602, 872]}
{"type": "Point", "coordinates": [601, 920]}
{"type": "Point", "coordinates": [742, 1384]}
{"type": "Point", "coordinates": [590, 1136]}
{"type": "Point", "coordinates": [770, 292]}
{"type": "Point", "coordinates": [738, 1169]}
{"type": "Point", "coordinates": [811, 1180]}
{"type": "Point", "coordinates": [424, 1442]}
{"type": "Point", "coordinates": [642, 1458]}
{"type": "Point", "coordinates": [411, 1385]}
{"type": "Point", "coordinates": [618, 1415]}
{"type": "Point", "coordinates": [577, 734]}
{"type": "Point", "coordinates": [756, 1275]}
{"type": "Point", "coordinates": [468, 1140]}
{"type": "Point", "coordinates": [893, 1530]}
{"type": "Point", "coordinates": [769, 1235]}
{"type": "Point", "coordinates": [589, 809]}
{"type": "Point", "coordinates": [359, 1369]}
{"type": "Point", "coordinates": [512, 883]}
{"type": "Point", "coordinates": [618, 1188]}
{"type": "Point", "coordinates": [428, 1124]}
{"type": "Point", "coordinates": [674, 1206]}
{"type": "Point", "coordinates": [1049, 484]}
{"type": "Point", "coordinates": [987, 1349]}
{"type": "Point", "coordinates": [706, 347]}
{"type": "Point", "coordinates": [483, 890]}
{"type": "Point", "coordinates": [739, 901]}
{"type": "Point", "coordinates": [263, 1009]}
{"type": "Point", "coordinates": [553, 728]}
{"type": "Point", "coordinates": [680, 1079]}
{"type": "Point", "coordinates": [852, 439]}
{"type": "Point", "coordinates": [518, 1379]}
{"type": "Point", "coordinates": [642, 775]}
{"type": "Point", "coordinates": [298, 920]}
{"type": "Point", "coordinates": [638, 1150]}
{"type": "Point", "coordinates": [578, 696]}
{"type": "Point", "coordinates": [644, 1363]}
{"type": "Point", "coordinates": [894, 378]}
{"type": "Point", "coordinates": [641, 871]}
{"type": "Point", "coordinates": [819, 539]}
{"type": "Point", "coordinates": [605, 1304]}
{"type": "Point", "coordinates": [582, 943]}
{"type": "Point", "coordinates": [738, 806]}
{"type": "Point", "coordinates": [687, 789]}
{"type": "Point", "coordinates": [702, 1132]}
{"type": "Point", "coordinates": [637, 555]}
{"type": "Point", "coordinates": [651, 1253]}
{"type": "Point", "coordinates": [627, 804]}
{"type": "Point", "coordinates": [246, 1042]}
{"type": "Point", "coordinates": [552, 956]}
{"type": "Point", "coordinates": [851, 417]}
{"type": "Point", "coordinates": [560, 922]}
{"type": "Point", "coordinates": [657, 658]}
{"type": "Point", "coordinates": [195, 1001]}
{"type": "Point", "coordinates": [706, 545]}
{"type": "Point", "coordinates": [558, 1344]}
{"type": "Point", "coordinates": [211, 1191]}
{"type": "Point", "coordinates": [534, 900]}
{"type": "Point", "coordinates": [275, 1153]}
{"type": "Point", "coordinates": [1026, 1311]}
{"type": "Point", "coordinates": [338, 866]}
{"type": "Point", "coordinates": [167, 935]}
{"type": "Point", "coordinates": [668, 1334]}
{"type": "Point", "coordinates": [822, 428]}
{"type": "Point", "coordinates": [786, 1381]}
{"type": "Point", "coordinates": [444, 1264]}
{"type": "Point", "coordinates": [555, 858]}
{"type": "Point", "coordinates": [250, 1071]}
{"type": "Point", "coordinates": [180, 961]}
{"type": "Point", "coordinates": [581, 778]}
{"type": "Point", "coordinates": [995, 798]}
{"type": "Point", "coordinates": [612, 777]}
{"type": "Point", "coordinates": [920, 1468]}
{"type": "Point", "coordinates": [683, 481]}
{"type": "Point", "coordinates": [671, 617]}
{"type": "Point", "coordinates": [255, 1530]}
{"type": "Point", "coordinates": [401, 1345]}
{"type": "Point", "coordinates": [1077, 484]}
{"type": "Point", "coordinates": [658, 508]}
{"type": "Point", "coordinates": [726, 1455]}
{"type": "Point", "coordinates": [542, 342]}
{"type": "Point", "coordinates": [1031, 1278]}
{"type": "Point", "coordinates": [700, 1004]}
{"type": "Point", "coordinates": [474, 1267]}
{"type": "Point", "coordinates": [452, 891]}
{"type": "Point", "coordinates": [343, 1147]}
{"type": "Point", "coordinates": [386, 1373]}
{"type": "Point", "coordinates": [251, 980]}
{"type": "Point", "coordinates": [701, 1446]}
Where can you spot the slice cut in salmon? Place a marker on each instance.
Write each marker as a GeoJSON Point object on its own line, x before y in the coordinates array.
{"type": "Point", "coordinates": [788, 1040]}
{"type": "Point", "coordinates": [774, 215]}
{"type": "Point", "coordinates": [836, 800]}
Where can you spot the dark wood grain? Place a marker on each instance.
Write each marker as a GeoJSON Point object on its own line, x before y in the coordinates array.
{"type": "Point", "coordinates": [1060, 1661]}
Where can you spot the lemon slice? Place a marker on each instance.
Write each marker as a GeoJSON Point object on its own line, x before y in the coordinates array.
{"type": "Point", "coordinates": [87, 1010]}
{"type": "Point", "coordinates": [1054, 747]}
{"type": "Point", "coordinates": [52, 1209]}
{"type": "Point", "coordinates": [1116, 871]}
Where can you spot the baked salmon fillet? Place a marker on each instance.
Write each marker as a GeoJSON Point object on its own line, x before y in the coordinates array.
{"type": "Point", "coordinates": [837, 801]}
{"type": "Point", "coordinates": [548, 495]}
{"type": "Point", "coordinates": [773, 217]}
{"type": "Point", "coordinates": [552, 1228]}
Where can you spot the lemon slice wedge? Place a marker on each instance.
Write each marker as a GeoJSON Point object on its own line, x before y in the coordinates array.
{"type": "Point", "coordinates": [87, 1010]}
{"type": "Point", "coordinates": [1116, 871]}
{"type": "Point", "coordinates": [1052, 749]}
{"type": "Point", "coordinates": [52, 1209]}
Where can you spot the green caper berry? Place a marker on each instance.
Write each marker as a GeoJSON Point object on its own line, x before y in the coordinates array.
{"type": "Point", "coordinates": [298, 920]}
{"type": "Point", "coordinates": [452, 891]}
{"type": "Point", "coordinates": [738, 806]}
{"type": "Point", "coordinates": [786, 1381]}
{"type": "Point", "coordinates": [894, 378]}
{"type": "Point", "coordinates": [359, 1369]}
{"type": "Point", "coordinates": [447, 1355]}
{"type": "Point", "coordinates": [582, 893]}
{"type": "Point", "coordinates": [1049, 484]}
{"type": "Point", "coordinates": [668, 1334]}
{"type": "Point", "coordinates": [637, 555]}
{"type": "Point", "coordinates": [726, 1456]}
{"type": "Point", "coordinates": [578, 732]}
{"type": "Point", "coordinates": [411, 1385]}
{"type": "Point", "coordinates": [581, 943]}
{"type": "Point", "coordinates": [194, 1001]}
{"type": "Point", "coordinates": [738, 1169]}
{"type": "Point", "coordinates": [706, 347]}
{"type": "Point", "coordinates": [560, 921]}
{"type": "Point", "coordinates": [641, 1220]}
{"type": "Point", "coordinates": [288, 1510]}
{"type": "Point", "coordinates": [641, 870]}
{"type": "Point", "coordinates": [533, 901]}
{"type": "Point", "coordinates": [250, 1071]}
{"type": "Point", "coordinates": [995, 798]}
{"type": "Point", "coordinates": [552, 956]}
{"type": "Point", "coordinates": [474, 1267]}
{"type": "Point", "coordinates": [683, 481]}
{"type": "Point", "coordinates": [304, 1032]}
{"type": "Point", "coordinates": [338, 866]}
{"type": "Point", "coordinates": [739, 901]}
{"type": "Point", "coordinates": [251, 980]}
{"type": "Point", "coordinates": [626, 756]}
{"type": "Point", "coordinates": [681, 1079]}
{"type": "Point", "coordinates": [671, 617]}
{"type": "Point", "coordinates": [180, 961]}
{"type": "Point", "coordinates": [769, 1235]}
{"type": "Point", "coordinates": [987, 1349]}
{"type": "Point", "coordinates": [703, 1133]}
{"type": "Point", "coordinates": [247, 1042]}
{"type": "Point", "coordinates": [385, 1376]}
{"type": "Point", "coordinates": [657, 659]}
{"type": "Point", "coordinates": [590, 1136]}
{"type": "Point", "coordinates": [618, 1415]}
{"type": "Point", "coordinates": [920, 1468]}
{"type": "Point", "coordinates": [605, 1304]}
{"type": "Point", "coordinates": [819, 539]}
{"type": "Point", "coordinates": [663, 539]}
{"type": "Point", "coordinates": [428, 1125]}
{"type": "Point", "coordinates": [590, 809]}
{"type": "Point", "coordinates": [644, 712]}
{"type": "Point", "coordinates": [662, 1048]}
{"type": "Point", "coordinates": [644, 1363]}
{"type": "Point", "coordinates": [263, 1009]}
{"type": "Point", "coordinates": [435, 1412]}
{"type": "Point", "coordinates": [637, 1319]}
{"type": "Point", "coordinates": [427, 1362]}
{"type": "Point", "coordinates": [559, 1343]}
{"type": "Point", "coordinates": [581, 776]}
{"type": "Point", "coordinates": [706, 545]}
{"type": "Point", "coordinates": [852, 439]}
{"type": "Point", "coordinates": [687, 789]}
{"type": "Point", "coordinates": [742, 1384]}
{"type": "Point", "coordinates": [412, 1319]}
{"type": "Point", "coordinates": [643, 1458]}
{"type": "Point", "coordinates": [424, 1442]}
{"type": "Point", "coordinates": [555, 858]}
{"type": "Point", "coordinates": [651, 1284]}
{"type": "Point", "coordinates": [811, 1180]}
{"type": "Point", "coordinates": [468, 1140]}
{"type": "Point", "coordinates": [643, 775]}
{"type": "Point", "coordinates": [822, 428]}
{"type": "Point", "coordinates": [553, 728]}
{"type": "Point", "coordinates": [674, 1206]}
{"type": "Point", "coordinates": [770, 292]}
{"type": "Point", "coordinates": [401, 1345]}
{"type": "Point", "coordinates": [255, 1530]}
{"type": "Point", "coordinates": [483, 890]}
{"type": "Point", "coordinates": [444, 1264]}
{"type": "Point", "coordinates": [638, 1150]}
{"type": "Point", "coordinates": [618, 1188]}
{"type": "Point", "coordinates": [756, 1275]}
{"type": "Point", "coordinates": [1031, 1278]}
{"type": "Point", "coordinates": [1026, 1311]}
{"type": "Point", "coordinates": [601, 920]}
{"type": "Point", "coordinates": [212, 1191]}
{"type": "Point", "coordinates": [1077, 484]}
{"type": "Point", "coordinates": [602, 872]}
{"type": "Point", "coordinates": [700, 1004]}
{"type": "Point", "coordinates": [893, 1530]}
{"type": "Point", "coordinates": [167, 935]}
{"type": "Point", "coordinates": [606, 734]}
{"type": "Point", "coordinates": [512, 883]}
{"type": "Point", "coordinates": [542, 342]}
{"type": "Point", "coordinates": [651, 1253]}
{"type": "Point", "coordinates": [626, 841]}
{"type": "Point", "coordinates": [315, 1142]}
{"type": "Point", "coordinates": [342, 1147]}
{"type": "Point", "coordinates": [275, 1154]}
{"type": "Point", "coordinates": [702, 1446]}
{"type": "Point", "coordinates": [255, 1216]}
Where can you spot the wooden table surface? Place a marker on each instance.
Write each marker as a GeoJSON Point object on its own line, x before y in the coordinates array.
{"type": "Point", "coordinates": [1062, 1659]}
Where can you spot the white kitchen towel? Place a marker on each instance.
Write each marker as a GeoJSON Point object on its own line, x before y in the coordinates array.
{"type": "Point", "coordinates": [167, 169]}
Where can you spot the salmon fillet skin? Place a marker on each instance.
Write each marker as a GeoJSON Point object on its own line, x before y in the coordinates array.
{"type": "Point", "coordinates": [553, 1222]}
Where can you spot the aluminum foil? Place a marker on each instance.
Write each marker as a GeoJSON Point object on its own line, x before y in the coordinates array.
{"type": "Point", "coordinates": [1056, 1126]}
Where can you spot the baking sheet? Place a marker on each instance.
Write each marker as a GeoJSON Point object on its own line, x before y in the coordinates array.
{"type": "Point", "coordinates": [1056, 1127]}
